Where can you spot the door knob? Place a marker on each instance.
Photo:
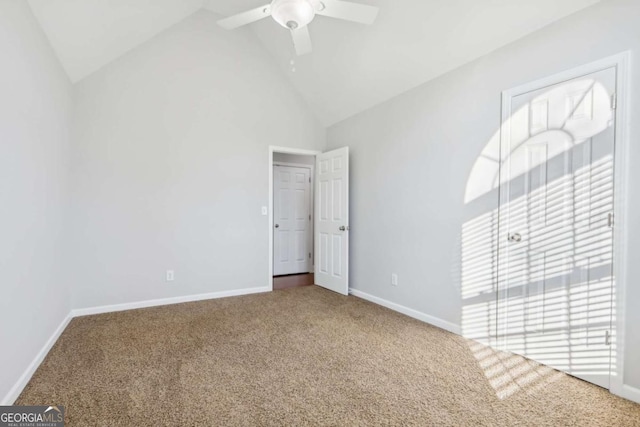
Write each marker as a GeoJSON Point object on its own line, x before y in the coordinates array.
{"type": "Point", "coordinates": [277, 225]}
{"type": "Point", "coordinates": [515, 237]}
{"type": "Point", "coordinates": [343, 228]}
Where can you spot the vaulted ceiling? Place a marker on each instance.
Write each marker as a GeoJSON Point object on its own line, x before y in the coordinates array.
{"type": "Point", "coordinates": [353, 67]}
{"type": "Point", "coordinates": [88, 34]}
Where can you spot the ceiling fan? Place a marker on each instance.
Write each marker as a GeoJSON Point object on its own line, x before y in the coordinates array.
{"type": "Point", "coordinates": [295, 15]}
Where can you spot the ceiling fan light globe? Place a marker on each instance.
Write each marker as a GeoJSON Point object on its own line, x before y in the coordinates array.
{"type": "Point", "coordinates": [292, 14]}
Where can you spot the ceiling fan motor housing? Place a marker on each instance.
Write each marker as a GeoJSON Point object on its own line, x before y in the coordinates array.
{"type": "Point", "coordinates": [292, 14]}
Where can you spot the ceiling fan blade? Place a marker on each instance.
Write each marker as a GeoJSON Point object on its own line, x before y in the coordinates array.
{"type": "Point", "coordinates": [245, 18]}
{"type": "Point", "coordinates": [301, 40]}
{"type": "Point", "coordinates": [362, 13]}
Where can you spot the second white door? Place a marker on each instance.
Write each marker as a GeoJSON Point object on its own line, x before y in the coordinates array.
{"type": "Point", "coordinates": [292, 220]}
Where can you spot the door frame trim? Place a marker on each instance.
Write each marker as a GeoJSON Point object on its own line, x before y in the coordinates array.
{"type": "Point", "coordinates": [284, 150]}
{"type": "Point", "coordinates": [311, 200]}
{"type": "Point", "coordinates": [621, 62]}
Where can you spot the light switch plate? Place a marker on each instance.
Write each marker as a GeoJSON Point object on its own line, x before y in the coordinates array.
{"type": "Point", "coordinates": [264, 210]}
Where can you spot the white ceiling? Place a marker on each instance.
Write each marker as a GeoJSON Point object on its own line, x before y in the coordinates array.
{"type": "Point", "coordinates": [353, 67]}
{"type": "Point", "coordinates": [88, 34]}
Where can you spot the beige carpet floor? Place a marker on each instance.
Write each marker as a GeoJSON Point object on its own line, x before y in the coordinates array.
{"type": "Point", "coordinates": [302, 356]}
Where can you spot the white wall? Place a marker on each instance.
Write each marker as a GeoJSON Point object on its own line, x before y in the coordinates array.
{"type": "Point", "coordinates": [412, 157]}
{"type": "Point", "coordinates": [170, 165]}
{"type": "Point", "coordinates": [35, 105]}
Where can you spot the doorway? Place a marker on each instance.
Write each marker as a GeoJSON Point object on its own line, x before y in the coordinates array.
{"type": "Point", "coordinates": [316, 246]}
{"type": "Point", "coordinates": [293, 176]}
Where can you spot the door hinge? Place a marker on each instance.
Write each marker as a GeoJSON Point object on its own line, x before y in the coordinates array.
{"type": "Point", "coordinates": [614, 101]}
{"type": "Point", "coordinates": [309, 179]}
{"type": "Point", "coordinates": [610, 220]}
{"type": "Point", "coordinates": [309, 217]}
{"type": "Point", "coordinates": [309, 255]}
{"type": "Point", "coordinates": [607, 338]}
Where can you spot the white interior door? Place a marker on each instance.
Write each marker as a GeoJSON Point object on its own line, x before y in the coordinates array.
{"type": "Point", "coordinates": [291, 220]}
{"type": "Point", "coordinates": [556, 249]}
{"type": "Point", "coordinates": [332, 221]}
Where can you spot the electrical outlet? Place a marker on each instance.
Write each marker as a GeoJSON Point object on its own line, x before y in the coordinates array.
{"type": "Point", "coordinates": [170, 276]}
{"type": "Point", "coordinates": [394, 279]}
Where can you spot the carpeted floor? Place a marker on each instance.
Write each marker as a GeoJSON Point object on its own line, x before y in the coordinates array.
{"type": "Point", "coordinates": [302, 356]}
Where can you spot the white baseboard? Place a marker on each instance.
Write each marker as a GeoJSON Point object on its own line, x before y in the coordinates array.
{"type": "Point", "coordinates": [628, 392]}
{"type": "Point", "coordinates": [432, 320]}
{"type": "Point", "coordinates": [33, 366]}
{"type": "Point", "coordinates": [165, 301]}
